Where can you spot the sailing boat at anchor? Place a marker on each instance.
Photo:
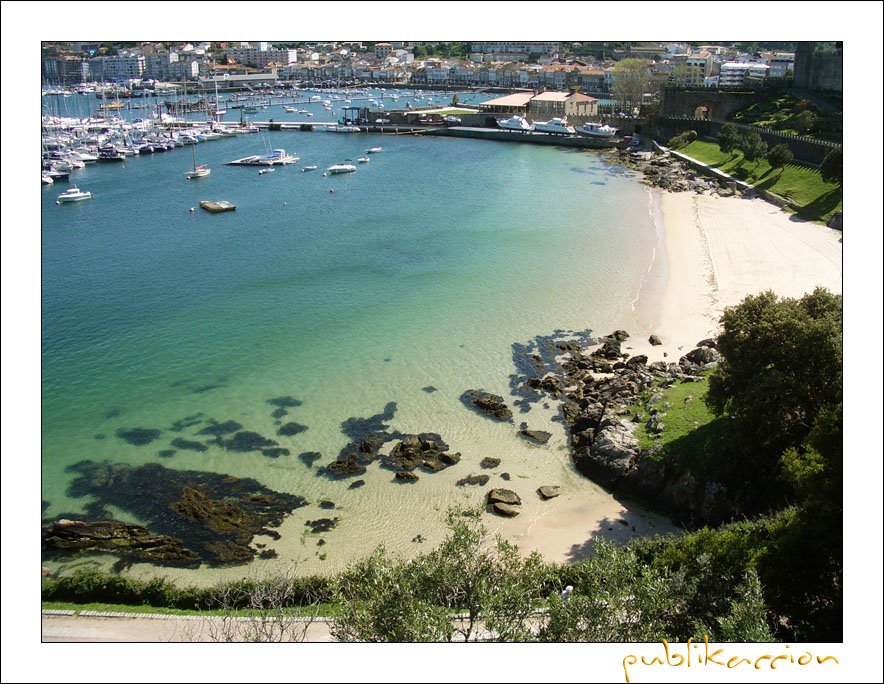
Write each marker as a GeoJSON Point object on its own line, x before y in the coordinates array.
{"type": "Point", "coordinates": [198, 171]}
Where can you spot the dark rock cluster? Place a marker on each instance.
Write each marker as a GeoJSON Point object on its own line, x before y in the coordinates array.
{"type": "Point", "coordinates": [602, 385]}
{"type": "Point", "coordinates": [197, 516]}
{"type": "Point", "coordinates": [487, 404]}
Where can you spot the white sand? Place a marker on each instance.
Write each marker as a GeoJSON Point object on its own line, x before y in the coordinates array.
{"type": "Point", "coordinates": [718, 250]}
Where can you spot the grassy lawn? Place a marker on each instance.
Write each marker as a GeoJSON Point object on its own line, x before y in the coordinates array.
{"type": "Point", "coordinates": [693, 438]}
{"type": "Point", "coordinates": [682, 417]}
{"type": "Point", "coordinates": [803, 186]}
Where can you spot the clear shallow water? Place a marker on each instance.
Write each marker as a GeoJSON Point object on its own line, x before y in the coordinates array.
{"type": "Point", "coordinates": [423, 268]}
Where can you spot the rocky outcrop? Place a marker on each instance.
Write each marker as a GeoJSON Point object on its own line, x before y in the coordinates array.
{"type": "Point", "coordinates": [489, 462]}
{"type": "Point", "coordinates": [487, 404]}
{"type": "Point", "coordinates": [601, 392]}
{"type": "Point", "coordinates": [654, 341]}
{"type": "Point", "coordinates": [426, 450]}
{"type": "Point", "coordinates": [610, 455]}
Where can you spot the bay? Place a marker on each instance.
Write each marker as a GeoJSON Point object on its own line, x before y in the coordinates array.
{"type": "Point", "coordinates": [421, 270]}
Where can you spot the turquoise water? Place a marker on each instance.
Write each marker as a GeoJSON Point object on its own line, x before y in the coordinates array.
{"type": "Point", "coordinates": [421, 269]}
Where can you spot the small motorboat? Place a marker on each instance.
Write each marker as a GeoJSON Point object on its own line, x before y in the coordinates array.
{"type": "Point", "coordinates": [363, 160]}
{"type": "Point", "coordinates": [341, 168]}
{"type": "Point", "coordinates": [263, 171]}
{"type": "Point", "coordinates": [73, 194]}
{"type": "Point", "coordinates": [374, 150]}
{"type": "Point", "coordinates": [309, 168]}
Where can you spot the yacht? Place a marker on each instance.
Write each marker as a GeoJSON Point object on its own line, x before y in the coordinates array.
{"type": "Point", "coordinates": [596, 130]}
{"type": "Point", "coordinates": [363, 160]}
{"type": "Point", "coordinates": [556, 125]}
{"type": "Point", "coordinates": [516, 123]}
{"type": "Point", "coordinates": [73, 194]}
{"type": "Point", "coordinates": [341, 168]}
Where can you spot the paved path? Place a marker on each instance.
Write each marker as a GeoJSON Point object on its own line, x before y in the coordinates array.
{"type": "Point", "coordinates": [151, 627]}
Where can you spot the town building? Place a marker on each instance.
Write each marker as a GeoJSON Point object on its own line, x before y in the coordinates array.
{"type": "Point", "coordinates": [735, 74]}
{"type": "Point", "coordinates": [261, 55]}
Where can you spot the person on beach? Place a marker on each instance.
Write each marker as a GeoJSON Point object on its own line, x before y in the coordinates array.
{"type": "Point", "coordinates": [566, 593]}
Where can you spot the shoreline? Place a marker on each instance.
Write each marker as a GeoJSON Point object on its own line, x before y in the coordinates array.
{"type": "Point", "coordinates": [718, 250]}
{"type": "Point", "coordinates": [712, 252]}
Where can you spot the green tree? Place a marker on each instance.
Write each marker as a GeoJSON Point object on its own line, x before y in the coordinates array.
{"type": "Point", "coordinates": [779, 156]}
{"type": "Point", "coordinates": [482, 578]}
{"type": "Point", "coordinates": [753, 147]}
{"type": "Point", "coordinates": [381, 602]}
{"type": "Point", "coordinates": [805, 121]}
{"type": "Point", "coordinates": [631, 81]}
{"type": "Point", "coordinates": [621, 597]}
{"type": "Point", "coordinates": [832, 168]}
{"type": "Point", "coordinates": [780, 366]}
{"type": "Point", "coordinates": [728, 138]}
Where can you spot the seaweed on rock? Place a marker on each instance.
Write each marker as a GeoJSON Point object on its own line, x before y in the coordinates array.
{"type": "Point", "coordinates": [215, 515]}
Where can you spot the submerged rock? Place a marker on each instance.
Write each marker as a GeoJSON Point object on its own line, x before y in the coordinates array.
{"type": "Point", "coordinates": [473, 480]}
{"type": "Point", "coordinates": [487, 404]}
{"type": "Point", "coordinates": [179, 443]}
{"type": "Point", "coordinates": [134, 543]}
{"type": "Point", "coordinates": [138, 436]}
{"type": "Point", "coordinates": [290, 429]}
{"type": "Point", "coordinates": [276, 452]}
{"type": "Point", "coordinates": [309, 458]}
{"type": "Point", "coordinates": [536, 436]}
{"type": "Point", "coordinates": [489, 462]}
{"type": "Point", "coordinates": [405, 476]}
{"type": "Point", "coordinates": [356, 484]}
{"type": "Point", "coordinates": [285, 402]}
{"type": "Point", "coordinates": [322, 525]}
{"type": "Point", "coordinates": [166, 453]}
{"type": "Point", "coordinates": [220, 429]}
{"type": "Point", "coordinates": [186, 422]}
{"type": "Point", "coordinates": [215, 515]}
{"type": "Point", "coordinates": [246, 441]}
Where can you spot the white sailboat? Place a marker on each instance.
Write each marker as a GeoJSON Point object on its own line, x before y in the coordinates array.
{"type": "Point", "coordinates": [198, 171]}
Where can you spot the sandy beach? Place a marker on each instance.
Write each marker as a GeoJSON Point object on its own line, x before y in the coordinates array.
{"type": "Point", "coordinates": [714, 251]}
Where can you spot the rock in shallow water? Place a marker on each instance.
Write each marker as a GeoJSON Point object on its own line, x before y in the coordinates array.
{"type": "Point", "coordinates": [490, 405]}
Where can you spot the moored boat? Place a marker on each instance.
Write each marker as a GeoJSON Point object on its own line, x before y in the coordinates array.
{"type": "Point", "coordinates": [596, 130]}
{"type": "Point", "coordinates": [73, 194]}
{"type": "Point", "coordinates": [341, 168]}
{"type": "Point", "coordinates": [516, 123]}
{"type": "Point", "coordinates": [556, 125]}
